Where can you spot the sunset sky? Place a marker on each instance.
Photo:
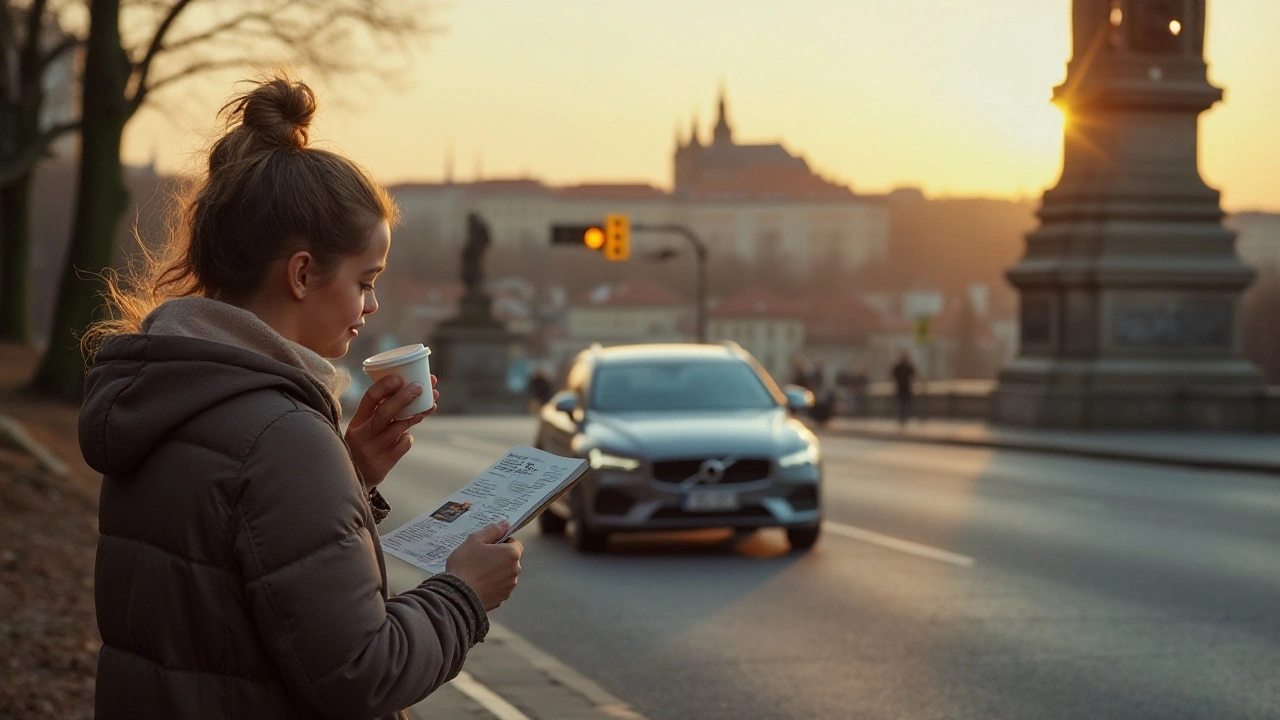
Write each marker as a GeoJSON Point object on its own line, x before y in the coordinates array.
{"type": "Point", "coordinates": [948, 95]}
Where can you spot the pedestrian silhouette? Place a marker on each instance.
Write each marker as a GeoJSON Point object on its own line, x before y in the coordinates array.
{"type": "Point", "coordinates": [904, 375]}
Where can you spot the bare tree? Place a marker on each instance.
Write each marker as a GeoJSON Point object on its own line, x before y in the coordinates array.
{"type": "Point", "coordinates": [135, 50]}
{"type": "Point", "coordinates": [32, 42]}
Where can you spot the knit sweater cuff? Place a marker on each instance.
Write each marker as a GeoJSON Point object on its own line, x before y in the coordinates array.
{"type": "Point", "coordinates": [457, 591]}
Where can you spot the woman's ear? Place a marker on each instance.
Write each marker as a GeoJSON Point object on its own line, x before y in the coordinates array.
{"type": "Point", "coordinates": [300, 270]}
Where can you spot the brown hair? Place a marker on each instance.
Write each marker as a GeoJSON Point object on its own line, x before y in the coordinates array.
{"type": "Point", "coordinates": [266, 196]}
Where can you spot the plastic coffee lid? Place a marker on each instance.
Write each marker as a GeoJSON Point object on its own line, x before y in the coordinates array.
{"type": "Point", "coordinates": [399, 356]}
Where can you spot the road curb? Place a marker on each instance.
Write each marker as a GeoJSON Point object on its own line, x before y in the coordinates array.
{"type": "Point", "coordinates": [508, 678]}
{"type": "Point", "coordinates": [1269, 469]}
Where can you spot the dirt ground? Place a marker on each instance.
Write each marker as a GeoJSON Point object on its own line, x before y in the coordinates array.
{"type": "Point", "coordinates": [48, 532]}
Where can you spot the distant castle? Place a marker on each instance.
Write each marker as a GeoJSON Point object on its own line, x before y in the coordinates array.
{"type": "Point", "coordinates": [725, 170]}
{"type": "Point", "coordinates": [756, 202]}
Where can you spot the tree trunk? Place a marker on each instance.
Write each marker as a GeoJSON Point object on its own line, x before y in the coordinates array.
{"type": "Point", "coordinates": [100, 203]}
{"type": "Point", "coordinates": [15, 261]}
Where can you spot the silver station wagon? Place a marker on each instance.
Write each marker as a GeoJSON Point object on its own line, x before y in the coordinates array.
{"type": "Point", "coordinates": [681, 437]}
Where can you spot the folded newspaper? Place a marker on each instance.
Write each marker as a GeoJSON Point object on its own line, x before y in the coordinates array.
{"type": "Point", "coordinates": [517, 488]}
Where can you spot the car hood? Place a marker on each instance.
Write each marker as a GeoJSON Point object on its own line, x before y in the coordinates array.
{"type": "Point", "coordinates": [745, 433]}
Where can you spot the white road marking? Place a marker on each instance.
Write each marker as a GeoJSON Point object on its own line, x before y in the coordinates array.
{"type": "Point", "coordinates": [563, 674]}
{"type": "Point", "coordinates": [485, 446]}
{"type": "Point", "coordinates": [906, 546]}
{"type": "Point", "coordinates": [488, 699]}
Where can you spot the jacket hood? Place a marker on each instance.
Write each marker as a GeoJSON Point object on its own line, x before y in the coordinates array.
{"type": "Point", "coordinates": [142, 387]}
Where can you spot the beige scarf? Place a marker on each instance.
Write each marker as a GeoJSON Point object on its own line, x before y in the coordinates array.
{"type": "Point", "coordinates": [208, 319]}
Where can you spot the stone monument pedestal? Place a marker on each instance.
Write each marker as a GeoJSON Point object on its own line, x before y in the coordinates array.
{"type": "Point", "coordinates": [470, 355]}
{"type": "Point", "coordinates": [1130, 288]}
{"type": "Point", "coordinates": [1220, 395]}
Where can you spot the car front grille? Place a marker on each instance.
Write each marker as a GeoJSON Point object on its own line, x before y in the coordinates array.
{"type": "Point", "coordinates": [743, 471]}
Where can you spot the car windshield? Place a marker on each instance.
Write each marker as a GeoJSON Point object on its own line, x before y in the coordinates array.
{"type": "Point", "coordinates": [677, 385]}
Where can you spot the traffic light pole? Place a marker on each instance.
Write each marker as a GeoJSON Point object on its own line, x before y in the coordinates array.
{"type": "Point", "coordinates": [699, 252]}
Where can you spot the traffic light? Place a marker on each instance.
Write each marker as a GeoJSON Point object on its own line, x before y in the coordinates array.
{"type": "Point", "coordinates": [588, 236]}
{"type": "Point", "coordinates": [617, 238]}
{"type": "Point", "coordinates": [613, 238]}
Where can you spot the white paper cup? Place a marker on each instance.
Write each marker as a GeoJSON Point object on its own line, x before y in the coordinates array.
{"type": "Point", "coordinates": [412, 364]}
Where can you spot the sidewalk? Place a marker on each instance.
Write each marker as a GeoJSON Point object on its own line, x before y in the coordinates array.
{"type": "Point", "coordinates": [1236, 452]}
{"type": "Point", "coordinates": [506, 678]}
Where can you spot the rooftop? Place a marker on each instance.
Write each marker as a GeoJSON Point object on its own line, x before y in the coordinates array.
{"type": "Point", "coordinates": [612, 191]}
{"type": "Point", "coordinates": [629, 294]}
{"type": "Point", "coordinates": [758, 303]}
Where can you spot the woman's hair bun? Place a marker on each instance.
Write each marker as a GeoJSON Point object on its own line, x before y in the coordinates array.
{"type": "Point", "coordinates": [278, 111]}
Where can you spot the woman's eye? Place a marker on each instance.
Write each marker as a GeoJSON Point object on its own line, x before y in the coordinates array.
{"type": "Point", "coordinates": [366, 287]}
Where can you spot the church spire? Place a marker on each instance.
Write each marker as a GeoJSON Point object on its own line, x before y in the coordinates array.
{"type": "Point", "coordinates": [694, 140]}
{"type": "Point", "coordinates": [723, 133]}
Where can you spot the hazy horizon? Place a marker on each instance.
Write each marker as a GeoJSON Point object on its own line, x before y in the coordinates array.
{"type": "Point", "coordinates": [950, 98]}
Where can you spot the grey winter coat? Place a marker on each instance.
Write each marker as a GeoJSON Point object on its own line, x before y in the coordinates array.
{"type": "Point", "coordinates": [239, 573]}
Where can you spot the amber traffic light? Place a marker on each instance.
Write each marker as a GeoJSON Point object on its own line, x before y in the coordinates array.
{"type": "Point", "coordinates": [612, 238]}
{"type": "Point", "coordinates": [617, 237]}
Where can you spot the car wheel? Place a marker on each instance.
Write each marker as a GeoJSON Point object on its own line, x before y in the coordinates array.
{"type": "Point", "coordinates": [802, 539]}
{"type": "Point", "coordinates": [551, 524]}
{"type": "Point", "coordinates": [585, 538]}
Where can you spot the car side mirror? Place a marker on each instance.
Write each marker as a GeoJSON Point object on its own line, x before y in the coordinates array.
{"type": "Point", "coordinates": [798, 398]}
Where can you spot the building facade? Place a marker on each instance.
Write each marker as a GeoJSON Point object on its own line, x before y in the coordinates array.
{"type": "Point", "coordinates": [754, 202]}
{"type": "Point", "coordinates": [769, 327]}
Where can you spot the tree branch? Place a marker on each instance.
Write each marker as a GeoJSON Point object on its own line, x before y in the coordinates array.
{"type": "Point", "coordinates": [8, 45]}
{"type": "Point", "coordinates": [314, 33]}
{"type": "Point", "coordinates": [35, 17]}
{"type": "Point", "coordinates": [12, 167]}
{"type": "Point", "coordinates": [30, 62]}
{"type": "Point", "coordinates": [157, 42]}
{"type": "Point", "coordinates": [69, 42]}
{"type": "Point", "coordinates": [216, 30]}
{"type": "Point", "coordinates": [188, 71]}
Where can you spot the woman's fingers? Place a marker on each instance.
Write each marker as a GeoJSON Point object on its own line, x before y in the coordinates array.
{"type": "Point", "coordinates": [392, 407]}
{"type": "Point", "coordinates": [374, 396]}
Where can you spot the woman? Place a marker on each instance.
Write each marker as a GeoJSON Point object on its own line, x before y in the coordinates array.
{"type": "Point", "coordinates": [239, 573]}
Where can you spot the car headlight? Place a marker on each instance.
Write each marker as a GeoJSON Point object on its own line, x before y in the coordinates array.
{"type": "Point", "coordinates": [601, 460]}
{"type": "Point", "coordinates": [808, 455]}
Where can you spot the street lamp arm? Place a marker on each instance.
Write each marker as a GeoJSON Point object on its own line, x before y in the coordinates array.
{"type": "Point", "coordinates": [685, 232]}
{"type": "Point", "coordinates": [700, 253]}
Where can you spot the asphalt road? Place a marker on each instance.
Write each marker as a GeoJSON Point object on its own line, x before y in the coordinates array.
{"type": "Point", "coordinates": [1028, 586]}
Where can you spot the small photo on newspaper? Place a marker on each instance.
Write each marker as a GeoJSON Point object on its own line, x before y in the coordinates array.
{"type": "Point", "coordinates": [517, 488]}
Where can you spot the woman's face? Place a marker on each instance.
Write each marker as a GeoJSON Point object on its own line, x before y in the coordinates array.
{"type": "Point", "coordinates": [334, 310]}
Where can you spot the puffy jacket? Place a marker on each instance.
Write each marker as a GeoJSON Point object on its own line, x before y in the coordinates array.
{"type": "Point", "coordinates": [239, 573]}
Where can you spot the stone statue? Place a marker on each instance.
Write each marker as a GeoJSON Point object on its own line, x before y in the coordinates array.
{"type": "Point", "coordinates": [473, 254]}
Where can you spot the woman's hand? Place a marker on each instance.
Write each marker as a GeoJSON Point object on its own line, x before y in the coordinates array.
{"type": "Point", "coordinates": [491, 568]}
{"type": "Point", "coordinates": [376, 439]}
